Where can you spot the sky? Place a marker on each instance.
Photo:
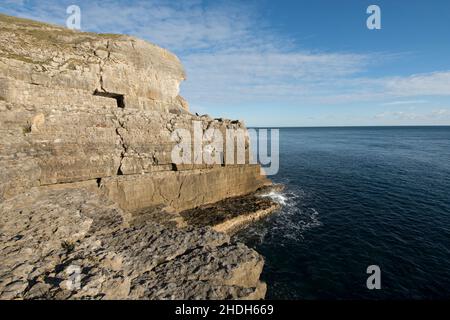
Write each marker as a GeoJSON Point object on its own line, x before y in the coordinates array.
{"type": "Point", "coordinates": [289, 63]}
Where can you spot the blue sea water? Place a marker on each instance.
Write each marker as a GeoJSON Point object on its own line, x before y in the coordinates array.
{"type": "Point", "coordinates": [355, 197]}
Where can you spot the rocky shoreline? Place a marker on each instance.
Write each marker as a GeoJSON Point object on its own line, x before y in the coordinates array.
{"type": "Point", "coordinates": [91, 204]}
{"type": "Point", "coordinates": [49, 236]}
{"type": "Point", "coordinates": [233, 214]}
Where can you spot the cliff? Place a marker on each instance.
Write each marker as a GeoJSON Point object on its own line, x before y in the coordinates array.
{"type": "Point", "coordinates": [92, 205]}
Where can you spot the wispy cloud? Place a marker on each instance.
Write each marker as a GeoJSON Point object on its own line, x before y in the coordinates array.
{"type": "Point", "coordinates": [436, 83]}
{"type": "Point", "coordinates": [232, 56]}
{"type": "Point", "coordinates": [434, 116]}
{"type": "Point", "coordinates": [398, 115]}
{"type": "Point", "coordinates": [228, 51]}
{"type": "Point", "coordinates": [256, 74]}
{"type": "Point", "coordinates": [360, 89]}
{"type": "Point", "coordinates": [404, 102]}
{"type": "Point", "coordinates": [441, 112]}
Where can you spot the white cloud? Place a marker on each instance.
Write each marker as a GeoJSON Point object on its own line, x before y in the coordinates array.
{"type": "Point", "coordinates": [436, 83]}
{"type": "Point", "coordinates": [398, 115]}
{"type": "Point", "coordinates": [404, 102]}
{"type": "Point", "coordinates": [435, 116]}
{"type": "Point", "coordinates": [233, 57]}
{"type": "Point", "coordinates": [441, 113]}
{"type": "Point", "coordinates": [256, 75]}
{"type": "Point", "coordinates": [358, 89]}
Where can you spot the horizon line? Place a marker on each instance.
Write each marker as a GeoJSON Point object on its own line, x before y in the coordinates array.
{"type": "Point", "coordinates": [356, 126]}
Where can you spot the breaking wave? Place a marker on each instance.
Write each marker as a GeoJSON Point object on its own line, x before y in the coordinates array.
{"type": "Point", "coordinates": [278, 197]}
{"type": "Point", "coordinates": [291, 222]}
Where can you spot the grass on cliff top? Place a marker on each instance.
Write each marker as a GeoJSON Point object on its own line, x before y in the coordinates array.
{"type": "Point", "coordinates": [24, 22]}
{"type": "Point", "coordinates": [44, 35]}
{"type": "Point", "coordinates": [49, 32]}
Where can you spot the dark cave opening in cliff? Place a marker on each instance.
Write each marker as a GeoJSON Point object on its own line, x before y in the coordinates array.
{"type": "Point", "coordinates": [119, 97]}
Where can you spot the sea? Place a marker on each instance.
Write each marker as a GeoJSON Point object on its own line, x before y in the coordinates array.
{"type": "Point", "coordinates": [357, 197]}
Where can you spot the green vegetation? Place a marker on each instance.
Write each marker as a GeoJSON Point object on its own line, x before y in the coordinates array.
{"type": "Point", "coordinates": [14, 56]}
{"type": "Point", "coordinates": [27, 128]}
{"type": "Point", "coordinates": [69, 246]}
{"type": "Point", "coordinates": [52, 32]}
{"type": "Point", "coordinates": [22, 22]}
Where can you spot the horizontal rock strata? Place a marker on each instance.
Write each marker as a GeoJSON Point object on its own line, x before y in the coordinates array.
{"type": "Point", "coordinates": [87, 127]}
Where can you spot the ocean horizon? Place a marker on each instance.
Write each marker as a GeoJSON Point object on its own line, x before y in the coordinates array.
{"type": "Point", "coordinates": [374, 126]}
{"type": "Point", "coordinates": [354, 197]}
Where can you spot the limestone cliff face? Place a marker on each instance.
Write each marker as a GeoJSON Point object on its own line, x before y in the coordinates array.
{"type": "Point", "coordinates": [48, 65]}
{"type": "Point", "coordinates": [89, 117]}
{"type": "Point", "coordinates": [80, 106]}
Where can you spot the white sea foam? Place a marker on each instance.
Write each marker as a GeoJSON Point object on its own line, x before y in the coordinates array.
{"type": "Point", "coordinates": [277, 197]}
{"type": "Point", "coordinates": [292, 221]}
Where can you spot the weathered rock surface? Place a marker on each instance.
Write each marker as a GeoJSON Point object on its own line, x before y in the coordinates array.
{"type": "Point", "coordinates": [86, 133]}
{"type": "Point", "coordinates": [48, 65]}
{"type": "Point", "coordinates": [73, 243]}
{"type": "Point", "coordinates": [232, 214]}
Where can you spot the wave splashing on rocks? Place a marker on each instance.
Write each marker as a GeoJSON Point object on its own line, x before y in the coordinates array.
{"type": "Point", "coordinates": [291, 222]}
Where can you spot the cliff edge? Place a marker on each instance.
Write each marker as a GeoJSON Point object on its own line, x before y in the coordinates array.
{"type": "Point", "coordinates": [92, 205]}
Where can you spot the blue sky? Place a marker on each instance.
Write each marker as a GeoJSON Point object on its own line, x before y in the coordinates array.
{"type": "Point", "coordinates": [290, 63]}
